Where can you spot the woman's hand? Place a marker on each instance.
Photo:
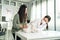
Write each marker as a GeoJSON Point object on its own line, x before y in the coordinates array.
{"type": "Point", "coordinates": [25, 26]}
{"type": "Point", "coordinates": [21, 26]}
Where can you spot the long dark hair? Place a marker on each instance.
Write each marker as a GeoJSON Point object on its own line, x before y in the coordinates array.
{"type": "Point", "coordinates": [49, 18]}
{"type": "Point", "coordinates": [21, 13]}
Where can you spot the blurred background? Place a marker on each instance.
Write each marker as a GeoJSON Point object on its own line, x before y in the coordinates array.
{"type": "Point", "coordinates": [36, 9]}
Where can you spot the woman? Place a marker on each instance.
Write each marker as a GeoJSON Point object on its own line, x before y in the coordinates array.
{"type": "Point", "coordinates": [44, 22]}
{"type": "Point", "coordinates": [40, 25]}
{"type": "Point", "coordinates": [19, 20]}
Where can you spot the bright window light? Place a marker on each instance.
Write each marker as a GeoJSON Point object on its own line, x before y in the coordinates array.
{"type": "Point", "coordinates": [51, 13]}
{"type": "Point", "coordinates": [43, 8]}
{"type": "Point", "coordinates": [38, 14]}
{"type": "Point", "coordinates": [33, 12]}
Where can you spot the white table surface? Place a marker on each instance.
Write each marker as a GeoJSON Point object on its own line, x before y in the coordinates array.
{"type": "Point", "coordinates": [8, 26]}
{"type": "Point", "coordinates": [39, 35]}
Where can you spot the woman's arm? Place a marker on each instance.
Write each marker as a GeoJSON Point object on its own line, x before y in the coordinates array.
{"type": "Point", "coordinates": [16, 22]}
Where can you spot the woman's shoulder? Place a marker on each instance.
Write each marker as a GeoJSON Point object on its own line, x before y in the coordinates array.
{"type": "Point", "coordinates": [16, 15]}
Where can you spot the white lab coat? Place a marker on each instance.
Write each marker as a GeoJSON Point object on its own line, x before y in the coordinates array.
{"type": "Point", "coordinates": [37, 26]}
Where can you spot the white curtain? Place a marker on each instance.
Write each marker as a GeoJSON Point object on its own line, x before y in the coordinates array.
{"type": "Point", "coordinates": [43, 8]}
{"type": "Point", "coordinates": [33, 12]}
{"type": "Point", "coordinates": [38, 10]}
{"type": "Point", "coordinates": [51, 14]}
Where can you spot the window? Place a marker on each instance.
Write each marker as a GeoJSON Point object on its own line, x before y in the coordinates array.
{"type": "Point", "coordinates": [33, 12]}
{"type": "Point", "coordinates": [43, 8]}
{"type": "Point", "coordinates": [51, 14]}
{"type": "Point", "coordinates": [38, 10]}
{"type": "Point", "coordinates": [58, 15]}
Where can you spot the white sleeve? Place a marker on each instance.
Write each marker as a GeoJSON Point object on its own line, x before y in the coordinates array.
{"type": "Point", "coordinates": [34, 23]}
{"type": "Point", "coordinates": [42, 27]}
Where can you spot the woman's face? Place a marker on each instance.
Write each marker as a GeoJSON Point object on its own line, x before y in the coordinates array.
{"type": "Point", "coordinates": [46, 20]}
